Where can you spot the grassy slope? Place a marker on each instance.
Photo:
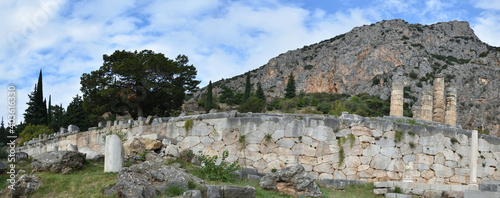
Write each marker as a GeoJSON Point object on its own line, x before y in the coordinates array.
{"type": "Point", "coordinates": [91, 181]}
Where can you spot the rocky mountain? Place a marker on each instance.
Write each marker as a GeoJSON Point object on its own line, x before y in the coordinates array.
{"type": "Point", "coordinates": [367, 58]}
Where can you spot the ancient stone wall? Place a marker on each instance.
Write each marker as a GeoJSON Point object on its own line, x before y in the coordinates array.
{"type": "Point", "coordinates": [345, 147]}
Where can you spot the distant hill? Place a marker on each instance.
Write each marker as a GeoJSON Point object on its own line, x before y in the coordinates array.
{"type": "Point", "coordinates": [366, 59]}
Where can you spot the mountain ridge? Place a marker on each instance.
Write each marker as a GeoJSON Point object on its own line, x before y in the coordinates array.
{"type": "Point", "coordinates": [367, 58]}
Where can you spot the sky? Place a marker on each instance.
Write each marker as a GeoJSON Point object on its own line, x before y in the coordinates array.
{"type": "Point", "coordinates": [222, 38]}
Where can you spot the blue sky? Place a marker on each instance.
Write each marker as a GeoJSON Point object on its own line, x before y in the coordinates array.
{"type": "Point", "coordinates": [222, 38]}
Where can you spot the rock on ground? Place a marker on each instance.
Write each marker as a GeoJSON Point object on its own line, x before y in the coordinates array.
{"type": "Point", "coordinates": [148, 178]}
{"type": "Point", "coordinates": [58, 161]}
{"type": "Point", "coordinates": [291, 180]}
{"type": "Point", "coordinates": [24, 186]}
{"type": "Point", "coordinates": [91, 154]}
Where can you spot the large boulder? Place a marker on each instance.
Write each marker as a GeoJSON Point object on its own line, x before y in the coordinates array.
{"type": "Point", "coordinates": [24, 186]}
{"type": "Point", "coordinates": [91, 154]}
{"type": "Point", "coordinates": [139, 144]}
{"type": "Point", "coordinates": [58, 161]}
{"type": "Point", "coordinates": [148, 178]}
{"type": "Point", "coordinates": [292, 180]}
{"type": "Point", "coordinates": [21, 156]}
{"type": "Point", "coordinates": [3, 167]}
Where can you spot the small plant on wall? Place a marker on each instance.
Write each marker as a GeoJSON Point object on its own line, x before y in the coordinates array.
{"type": "Point", "coordinates": [188, 125]}
{"type": "Point", "coordinates": [242, 141]}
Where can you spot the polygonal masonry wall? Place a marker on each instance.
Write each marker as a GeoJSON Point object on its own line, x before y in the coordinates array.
{"type": "Point", "coordinates": [374, 149]}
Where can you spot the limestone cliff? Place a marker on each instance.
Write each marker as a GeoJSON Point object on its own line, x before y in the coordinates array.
{"type": "Point", "coordinates": [366, 58]}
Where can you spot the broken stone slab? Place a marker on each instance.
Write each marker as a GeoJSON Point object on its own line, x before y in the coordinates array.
{"type": "Point", "coordinates": [91, 154]}
{"type": "Point", "coordinates": [396, 195]}
{"type": "Point", "coordinates": [239, 191]}
{"type": "Point", "coordinates": [337, 184]}
{"type": "Point", "coordinates": [71, 147]}
{"type": "Point", "coordinates": [292, 179]}
{"type": "Point", "coordinates": [73, 129]}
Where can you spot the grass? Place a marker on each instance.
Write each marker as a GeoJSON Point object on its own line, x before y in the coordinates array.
{"type": "Point", "coordinates": [90, 181]}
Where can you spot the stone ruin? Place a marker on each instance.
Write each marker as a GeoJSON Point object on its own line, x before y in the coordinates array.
{"type": "Point", "coordinates": [438, 104]}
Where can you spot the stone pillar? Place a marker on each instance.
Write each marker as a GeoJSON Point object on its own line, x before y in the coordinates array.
{"type": "Point", "coordinates": [113, 154]}
{"type": "Point", "coordinates": [439, 106]}
{"type": "Point", "coordinates": [397, 98]}
{"type": "Point", "coordinates": [426, 102]}
{"type": "Point", "coordinates": [451, 106]}
{"type": "Point", "coordinates": [473, 160]}
{"type": "Point", "coordinates": [416, 112]}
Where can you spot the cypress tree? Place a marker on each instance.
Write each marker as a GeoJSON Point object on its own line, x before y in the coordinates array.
{"type": "Point", "coordinates": [260, 93]}
{"type": "Point", "coordinates": [209, 103]}
{"type": "Point", "coordinates": [248, 88]}
{"type": "Point", "coordinates": [49, 111]}
{"type": "Point", "coordinates": [36, 113]}
{"type": "Point", "coordinates": [290, 87]}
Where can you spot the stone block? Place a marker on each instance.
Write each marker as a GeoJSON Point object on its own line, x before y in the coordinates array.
{"type": "Point", "coordinates": [442, 171]}
{"type": "Point", "coordinates": [424, 159]}
{"type": "Point", "coordinates": [391, 152]}
{"type": "Point", "coordinates": [453, 194]}
{"type": "Point", "coordinates": [397, 195]}
{"type": "Point", "coordinates": [482, 194]}
{"type": "Point", "coordinates": [285, 143]}
{"type": "Point", "coordinates": [380, 191]}
{"type": "Point", "coordinates": [52, 148]}
{"type": "Point", "coordinates": [71, 147]}
{"type": "Point", "coordinates": [238, 191]}
{"type": "Point", "coordinates": [380, 162]}
{"type": "Point", "coordinates": [338, 184]}
{"type": "Point", "coordinates": [73, 129]}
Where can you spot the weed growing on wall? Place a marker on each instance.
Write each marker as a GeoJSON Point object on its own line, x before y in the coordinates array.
{"type": "Point", "coordinates": [398, 136]}
{"type": "Point", "coordinates": [352, 139]}
{"type": "Point", "coordinates": [119, 133]}
{"type": "Point", "coordinates": [214, 172]}
{"type": "Point", "coordinates": [188, 125]}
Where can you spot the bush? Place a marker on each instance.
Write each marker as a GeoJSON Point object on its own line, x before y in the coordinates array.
{"type": "Point", "coordinates": [3, 152]}
{"type": "Point", "coordinates": [413, 75]}
{"type": "Point", "coordinates": [213, 172]}
{"type": "Point", "coordinates": [324, 107]}
{"type": "Point", "coordinates": [32, 131]}
{"type": "Point", "coordinates": [253, 104]}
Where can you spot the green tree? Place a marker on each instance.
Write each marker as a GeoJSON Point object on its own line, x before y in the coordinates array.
{"type": "Point", "coordinates": [209, 103]}
{"type": "Point", "coordinates": [227, 96]}
{"type": "Point", "coordinates": [138, 83]}
{"type": "Point", "coordinates": [36, 113]}
{"type": "Point", "coordinates": [49, 110]}
{"type": "Point", "coordinates": [76, 115]}
{"type": "Point", "coordinates": [290, 87]}
{"type": "Point", "coordinates": [3, 134]}
{"type": "Point", "coordinates": [248, 89]}
{"type": "Point", "coordinates": [253, 104]}
{"type": "Point", "coordinates": [260, 93]}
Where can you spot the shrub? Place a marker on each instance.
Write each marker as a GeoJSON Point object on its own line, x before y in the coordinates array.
{"type": "Point", "coordinates": [412, 145]}
{"type": "Point", "coordinates": [214, 172]}
{"type": "Point", "coordinates": [375, 81]}
{"type": "Point", "coordinates": [324, 107]}
{"type": "Point", "coordinates": [253, 104]}
{"type": "Point", "coordinates": [32, 131]}
{"type": "Point", "coordinates": [273, 170]}
{"type": "Point", "coordinates": [268, 137]}
{"type": "Point", "coordinates": [413, 75]}
{"type": "Point", "coordinates": [453, 140]}
{"type": "Point", "coordinates": [308, 67]}
{"type": "Point", "coordinates": [192, 185]}
{"type": "Point", "coordinates": [483, 54]}
{"type": "Point", "coordinates": [397, 189]}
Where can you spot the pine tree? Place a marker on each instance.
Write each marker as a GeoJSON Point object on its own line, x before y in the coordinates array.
{"type": "Point", "coordinates": [76, 115]}
{"type": "Point", "coordinates": [290, 87]}
{"type": "Point", "coordinates": [209, 103]}
{"type": "Point", "coordinates": [248, 89]}
{"type": "Point", "coordinates": [260, 93]}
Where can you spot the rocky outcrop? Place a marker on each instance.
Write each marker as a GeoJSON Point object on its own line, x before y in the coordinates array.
{"type": "Point", "coordinates": [58, 161]}
{"type": "Point", "coordinates": [148, 178]}
{"type": "Point", "coordinates": [140, 144]}
{"type": "Point", "coordinates": [364, 60]}
{"type": "Point", "coordinates": [292, 180]}
{"type": "Point", "coordinates": [24, 186]}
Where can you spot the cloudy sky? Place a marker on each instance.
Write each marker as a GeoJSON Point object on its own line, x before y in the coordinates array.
{"type": "Point", "coordinates": [222, 38]}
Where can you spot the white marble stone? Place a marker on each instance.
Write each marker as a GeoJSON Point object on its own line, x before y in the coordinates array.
{"type": "Point", "coordinates": [113, 157]}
